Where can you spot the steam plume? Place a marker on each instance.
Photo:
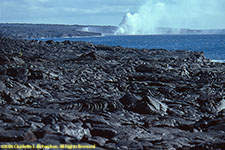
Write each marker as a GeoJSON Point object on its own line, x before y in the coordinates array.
{"type": "Point", "coordinates": [173, 15]}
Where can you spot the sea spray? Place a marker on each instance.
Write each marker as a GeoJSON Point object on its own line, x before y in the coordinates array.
{"type": "Point", "coordinates": [171, 16]}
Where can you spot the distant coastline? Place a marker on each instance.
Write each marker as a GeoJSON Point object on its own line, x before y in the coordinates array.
{"type": "Point", "coordinates": [42, 31]}
{"type": "Point", "coordinates": [29, 31]}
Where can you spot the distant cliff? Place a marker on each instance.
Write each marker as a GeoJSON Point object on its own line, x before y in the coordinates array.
{"type": "Point", "coordinates": [53, 30]}
{"type": "Point", "coordinates": [163, 30]}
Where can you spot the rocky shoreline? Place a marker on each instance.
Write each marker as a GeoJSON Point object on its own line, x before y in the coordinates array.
{"type": "Point", "coordinates": [112, 97]}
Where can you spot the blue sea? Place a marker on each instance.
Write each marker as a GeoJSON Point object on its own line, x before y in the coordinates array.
{"type": "Point", "coordinates": [213, 46]}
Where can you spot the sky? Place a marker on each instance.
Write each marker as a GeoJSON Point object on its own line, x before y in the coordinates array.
{"type": "Point", "coordinates": [196, 14]}
{"type": "Point", "coordinates": [97, 12]}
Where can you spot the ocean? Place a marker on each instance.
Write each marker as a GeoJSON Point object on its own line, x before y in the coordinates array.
{"type": "Point", "coordinates": [213, 46]}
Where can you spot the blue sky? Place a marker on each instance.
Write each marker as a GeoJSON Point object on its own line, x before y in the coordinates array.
{"type": "Point", "coordinates": [100, 12]}
{"type": "Point", "coordinates": [198, 14]}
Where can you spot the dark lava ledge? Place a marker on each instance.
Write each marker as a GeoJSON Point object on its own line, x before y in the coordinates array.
{"type": "Point", "coordinates": [113, 97]}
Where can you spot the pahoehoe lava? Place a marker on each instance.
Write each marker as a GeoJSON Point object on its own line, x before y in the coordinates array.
{"type": "Point", "coordinates": [113, 97]}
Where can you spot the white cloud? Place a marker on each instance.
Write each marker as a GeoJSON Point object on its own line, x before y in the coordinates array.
{"type": "Point", "coordinates": [66, 11]}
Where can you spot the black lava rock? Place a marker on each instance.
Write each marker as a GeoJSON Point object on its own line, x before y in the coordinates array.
{"type": "Point", "coordinates": [113, 97]}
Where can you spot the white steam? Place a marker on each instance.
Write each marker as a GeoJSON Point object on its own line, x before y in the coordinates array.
{"type": "Point", "coordinates": [157, 16]}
